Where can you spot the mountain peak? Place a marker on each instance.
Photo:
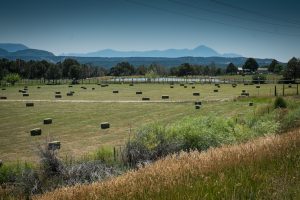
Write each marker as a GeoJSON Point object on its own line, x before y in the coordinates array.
{"type": "Point", "coordinates": [202, 47]}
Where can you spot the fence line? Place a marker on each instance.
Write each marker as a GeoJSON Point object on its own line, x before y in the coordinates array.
{"type": "Point", "coordinates": [160, 80]}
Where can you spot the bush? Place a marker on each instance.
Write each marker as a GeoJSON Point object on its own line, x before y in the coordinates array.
{"type": "Point", "coordinates": [291, 119]}
{"type": "Point", "coordinates": [53, 173]}
{"type": "Point", "coordinates": [195, 133]}
{"type": "Point", "coordinates": [12, 78]}
{"type": "Point", "coordinates": [259, 79]}
{"type": "Point", "coordinates": [50, 164]}
{"type": "Point", "coordinates": [87, 172]}
{"type": "Point", "coordinates": [280, 103]}
{"type": "Point", "coordinates": [103, 154]}
{"type": "Point", "coordinates": [149, 143]}
{"type": "Point", "coordinates": [10, 172]}
{"type": "Point", "coordinates": [23, 176]}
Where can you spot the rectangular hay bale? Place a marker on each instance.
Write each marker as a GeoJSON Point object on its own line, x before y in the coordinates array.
{"type": "Point", "coordinates": [54, 145]}
{"type": "Point", "coordinates": [104, 125]}
{"type": "Point", "coordinates": [48, 121]}
{"type": "Point", "coordinates": [198, 103]}
{"type": "Point", "coordinates": [29, 104]}
{"type": "Point", "coordinates": [35, 131]}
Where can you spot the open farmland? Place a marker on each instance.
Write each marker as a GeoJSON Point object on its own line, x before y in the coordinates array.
{"type": "Point", "coordinates": [76, 124]}
{"type": "Point", "coordinates": [153, 91]}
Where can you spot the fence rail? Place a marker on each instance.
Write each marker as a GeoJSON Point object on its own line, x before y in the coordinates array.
{"type": "Point", "coordinates": [160, 80]}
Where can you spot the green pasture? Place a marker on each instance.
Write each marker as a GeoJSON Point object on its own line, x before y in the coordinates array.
{"type": "Point", "coordinates": [153, 91]}
{"type": "Point", "coordinates": [77, 124]}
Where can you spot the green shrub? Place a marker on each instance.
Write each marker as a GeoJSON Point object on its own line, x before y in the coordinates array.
{"type": "Point", "coordinates": [195, 133]}
{"type": "Point", "coordinates": [12, 78]}
{"type": "Point", "coordinates": [259, 79]}
{"type": "Point", "coordinates": [9, 172]}
{"type": "Point", "coordinates": [291, 119]}
{"type": "Point", "coordinates": [150, 143]}
{"type": "Point", "coordinates": [103, 154]}
{"type": "Point", "coordinates": [280, 103]}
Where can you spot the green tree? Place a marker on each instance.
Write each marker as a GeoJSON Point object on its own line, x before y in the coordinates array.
{"type": "Point", "coordinates": [231, 69]}
{"type": "Point", "coordinates": [75, 72]}
{"type": "Point", "coordinates": [67, 63]}
{"type": "Point", "coordinates": [54, 72]}
{"type": "Point", "coordinates": [259, 79]}
{"type": "Point", "coordinates": [206, 70]}
{"type": "Point", "coordinates": [174, 71]}
{"type": "Point", "coordinates": [4, 63]}
{"type": "Point", "coordinates": [12, 78]}
{"type": "Point", "coordinates": [251, 65]}
{"type": "Point", "coordinates": [292, 70]}
{"type": "Point", "coordinates": [158, 69]}
{"type": "Point", "coordinates": [141, 70]}
{"type": "Point", "coordinates": [278, 69]}
{"type": "Point", "coordinates": [272, 65]}
{"type": "Point", "coordinates": [151, 74]}
{"type": "Point", "coordinates": [185, 69]}
{"type": "Point", "coordinates": [122, 69]}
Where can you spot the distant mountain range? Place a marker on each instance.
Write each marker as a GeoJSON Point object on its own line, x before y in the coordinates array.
{"type": "Point", "coordinates": [21, 51]}
{"type": "Point", "coordinates": [200, 51]}
{"type": "Point", "coordinates": [108, 58]}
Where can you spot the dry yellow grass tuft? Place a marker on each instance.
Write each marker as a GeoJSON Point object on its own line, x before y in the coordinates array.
{"type": "Point", "coordinates": [173, 170]}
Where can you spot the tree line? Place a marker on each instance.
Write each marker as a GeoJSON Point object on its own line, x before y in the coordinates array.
{"type": "Point", "coordinates": [72, 69]}
{"type": "Point", "coordinates": [68, 69]}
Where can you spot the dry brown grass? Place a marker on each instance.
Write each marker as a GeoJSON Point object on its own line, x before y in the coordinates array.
{"type": "Point", "coordinates": [169, 172]}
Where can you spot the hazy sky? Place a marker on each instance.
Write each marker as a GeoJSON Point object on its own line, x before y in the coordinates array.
{"type": "Point", "coordinates": [256, 28]}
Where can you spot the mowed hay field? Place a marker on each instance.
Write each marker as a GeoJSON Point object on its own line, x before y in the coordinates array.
{"type": "Point", "coordinates": [153, 91]}
{"type": "Point", "coordinates": [77, 124]}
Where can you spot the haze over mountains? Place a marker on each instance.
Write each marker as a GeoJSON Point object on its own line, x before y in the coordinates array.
{"type": "Point", "coordinates": [202, 55]}
{"type": "Point", "coordinates": [200, 51]}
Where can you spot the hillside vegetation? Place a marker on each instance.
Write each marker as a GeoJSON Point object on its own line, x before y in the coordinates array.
{"type": "Point", "coordinates": [265, 168]}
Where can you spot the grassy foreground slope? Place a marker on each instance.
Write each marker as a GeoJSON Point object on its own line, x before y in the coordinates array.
{"type": "Point", "coordinates": [265, 168]}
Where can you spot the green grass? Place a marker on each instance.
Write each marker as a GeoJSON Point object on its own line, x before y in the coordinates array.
{"type": "Point", "coordinates": [154, 91]}
{"type": "Point", "coordinates": [76, 124]}
{"type": "Point", "coordinates": [271, 177]}
{"type": "Point", "coordinates": [264, 168]}
{"type": "Point", "coordinates": [276, 178]}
